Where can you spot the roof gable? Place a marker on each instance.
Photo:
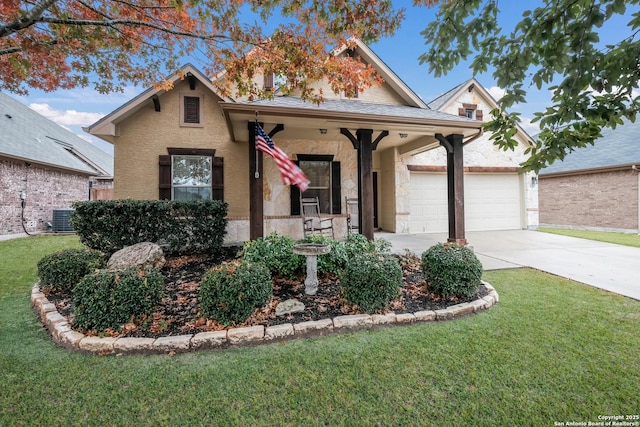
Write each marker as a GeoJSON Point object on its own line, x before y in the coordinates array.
{"type": "Point", "coordinates": [106, 125]}
{"type": "Point", "coordinates": [28, 136]}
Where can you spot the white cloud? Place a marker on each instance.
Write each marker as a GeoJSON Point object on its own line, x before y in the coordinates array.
{"type": "Point", "coordinates": [496, 92]}
{"type": "Point", "coordinates": [530, 128]}
{"type": "Point", "coordinates": [66, 117]}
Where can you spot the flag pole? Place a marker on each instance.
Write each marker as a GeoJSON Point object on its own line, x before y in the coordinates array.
{"type": "Point", "coordinates": [256, 174]}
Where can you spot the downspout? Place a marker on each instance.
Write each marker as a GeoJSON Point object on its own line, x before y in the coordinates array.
{"type": "Point", "coordinates": [474, 137]}
{"type": "Point", "coordinates": [635, 169]}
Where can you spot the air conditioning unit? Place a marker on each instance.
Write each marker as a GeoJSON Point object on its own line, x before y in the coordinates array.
{"type": "Point", "coordinates": [61, 223]}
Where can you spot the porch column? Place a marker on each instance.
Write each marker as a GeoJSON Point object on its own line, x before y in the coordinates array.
{"type": "Point", "coordinates": [365, 145]}
{"type": "Point", "coordinates": [455, 186]}
{"type": "Point", "coordinates": [256, 181]}
{"type": "Point", "coordinates": [256, 202]}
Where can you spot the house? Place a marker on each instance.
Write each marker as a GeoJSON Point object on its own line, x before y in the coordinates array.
{"type": "Point", "coordinates": [353, 145]}
{"type": "Point", "coordinates": [595, 187]}
{"type": "Point", "coordinates": [43, 168]}
{"type": "Point", "coordinates": [498, 196]}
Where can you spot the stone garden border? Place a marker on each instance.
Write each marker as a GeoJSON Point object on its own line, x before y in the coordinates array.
{"type": "Point", "coordinates": [64, 336]}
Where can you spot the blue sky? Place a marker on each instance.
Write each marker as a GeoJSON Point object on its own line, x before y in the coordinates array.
{"type": "Point", "coordinates": [76, 108]}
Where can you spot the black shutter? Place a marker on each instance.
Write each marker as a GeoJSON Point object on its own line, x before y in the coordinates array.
{"type": "Point", "coordinates": [191, 109]}
{"type": "Point", "coordinates": [164, 180]}
{"type": "Point", "coordinates": [295, 196]}
{"type": "Point", "coordinates": [217, 179]}
{"type": "Point", "coordinates": [336, 196]}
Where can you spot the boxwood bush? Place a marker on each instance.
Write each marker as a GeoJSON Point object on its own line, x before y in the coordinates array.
{"type": "Point", "coordinates": [64, 269]}
{"type": "Point", "coordinates": [371, 281]}
{"type": "Point", "coordinates": [230, 292]}
{"type": "Point", "coordinates": [180, 227]}
{"type": "Point", "coordinates": [451, 270]}
{"type": "Point", "coordinates": [276, 252]}
{"type": "Point", "coordinates": [111, 298]}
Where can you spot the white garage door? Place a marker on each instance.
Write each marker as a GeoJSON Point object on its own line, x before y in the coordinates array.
{"type": "Point", "coordinates": [492, 202]}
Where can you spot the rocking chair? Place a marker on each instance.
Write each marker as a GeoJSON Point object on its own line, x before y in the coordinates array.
{"type": "Point", "coordinates": [353, 225]}
{"type": "Point", "coordinates": [312, 223]}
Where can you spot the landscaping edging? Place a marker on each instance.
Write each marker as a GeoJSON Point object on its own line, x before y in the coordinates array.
{"type": "Point", "coordinates": [62, 334]}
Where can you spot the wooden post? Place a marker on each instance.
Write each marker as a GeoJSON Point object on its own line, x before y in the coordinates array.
{"type": "Point", "coordinates": [365, 145]}
{"type": "Point", "coordinates": [256, 179]}
{"type": "Point", "coordinates": [455, 186]}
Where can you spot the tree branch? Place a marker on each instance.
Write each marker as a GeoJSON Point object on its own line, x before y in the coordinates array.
{"type": "Point", "coordinates": [27, 20]}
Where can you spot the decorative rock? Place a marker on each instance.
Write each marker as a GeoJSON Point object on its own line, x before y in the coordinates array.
{"type": "Point", "coordinates": [54, 317]}
{"type": "Point", "coordinates": [143, 255]}
{"type": "Point", "coordinates": [245, 335]}
{"type": "Point", "coordinates": [209, 340]}
{"type": "Point", "coordinates": [461, 309]}
{"type": "Point", "coordinates": [352, 321]}
{"type": "Point", "coordinates": [48, 307]}
{"type": "Point", "coordinates": [495, 296]}
{"type": "Point", "coordinates": [479, 305]}
{"type": "Point", "coordinates": [446, 314]}
{"type": "Point", "coordinates": [288, 307]}
{"type": "Point", "coordinates": [70, 339]}
{"type": "Point", "coordinates": [279, 331]}
{"type": "Point", "coordinates": [490, 300]}
{"type": "Point", "coordinates": [405, 318]}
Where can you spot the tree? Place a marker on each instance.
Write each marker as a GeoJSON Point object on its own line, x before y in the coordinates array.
{"type": "Point", "coordinates": [53, 44]}
{"type": "Point", "coordinates": [593, 85]}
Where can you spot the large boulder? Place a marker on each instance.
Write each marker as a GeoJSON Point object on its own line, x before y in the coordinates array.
{"type": "Point", "coordinates": [145, 255]}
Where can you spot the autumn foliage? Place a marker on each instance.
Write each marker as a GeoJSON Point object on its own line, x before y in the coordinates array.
{"type": "Point", "coordinates": [53, 44]}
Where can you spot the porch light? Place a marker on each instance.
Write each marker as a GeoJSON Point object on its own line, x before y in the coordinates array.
{"type": "Point", "coordinates": [323, 131]}
{"type": "Point", "coordinates": [534, 181]}
{"type": "Point", "coordinates": [403, 135]}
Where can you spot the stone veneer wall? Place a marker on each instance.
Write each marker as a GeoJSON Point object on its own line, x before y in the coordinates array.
{"type": "Point", "coordinates": [607, 200]}
{"type": "Point", "coordinates": [46, 189]}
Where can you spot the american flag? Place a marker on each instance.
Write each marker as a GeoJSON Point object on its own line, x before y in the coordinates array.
{"type": "Point", "coordinates": [291, 173]}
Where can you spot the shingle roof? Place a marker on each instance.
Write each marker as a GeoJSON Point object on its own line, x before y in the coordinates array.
{"type": "Point", "coordinates": [28, 136]}
{"type": "Point", "coordinates": [349, 105]}
{"type": "Point", "coordinates": [442, 99]}
{"type": "Point", "coordinates": [616, 147]}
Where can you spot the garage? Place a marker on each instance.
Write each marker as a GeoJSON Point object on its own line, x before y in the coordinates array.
{"type": "Point", "coordinates": [493, 201]}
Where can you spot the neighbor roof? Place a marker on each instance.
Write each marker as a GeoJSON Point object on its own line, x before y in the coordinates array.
{"type": "Point", "coordinates": [616, 147]}
{"type": "Point", "coordinates": [26, 135]}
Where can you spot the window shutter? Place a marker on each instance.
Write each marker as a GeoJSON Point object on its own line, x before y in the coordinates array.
{"type": "Point", "coordinates": [336, 196]}
{"type": "Point", "coordinates": [191, 109]}
{"type": "Point", "coordinates": [294, 194]}
{"type": "Point", "coordinates": [217, 180]}
{"type": "Point", "coordinates": [479, 115]}
{"type": "Point", "coordinates": [462, 112]}
{"type": "Point", "coordinates": [164, 180]}
{"type": "Point", "coordinates": [268, 82]}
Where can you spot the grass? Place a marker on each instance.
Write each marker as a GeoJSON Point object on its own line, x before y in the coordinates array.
{"type": "Point", "coordinates": [551, 351]}
{"type": "Point", "coordinates": [625, 239]}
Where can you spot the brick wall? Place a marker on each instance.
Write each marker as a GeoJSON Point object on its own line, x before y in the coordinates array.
{"type": "Point", "coordinates": [46, 189]}
{"type": "Point", "coordinates": [599, 200]}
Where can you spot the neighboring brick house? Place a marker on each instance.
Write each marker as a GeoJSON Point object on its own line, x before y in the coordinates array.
{"type": "Point", "coordinates": [46, 165]}
{"type": "Point", "coordinates": [596, 187]}
{"type": "Point", "coordinates": [352, 145]}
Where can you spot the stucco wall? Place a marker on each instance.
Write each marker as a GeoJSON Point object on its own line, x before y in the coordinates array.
{"type": "Point", "coordinates": [46, 189]}
{"type": "Point", "coordinates": [606, 200]}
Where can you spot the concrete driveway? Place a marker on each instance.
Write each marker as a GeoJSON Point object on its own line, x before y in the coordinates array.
{"type": "Point", "coordinates": [604, 265]}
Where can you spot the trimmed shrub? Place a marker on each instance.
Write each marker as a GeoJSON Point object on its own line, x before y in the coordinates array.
{"type": "Point", "coordinates": [357, 243]}
{"type": "Point", "coordinates": [64, 269]}
{"type": "Point", "coordinates": [276, 253]}
{"type": "Point", "coordinates": [451, 270]}
{"type": "Point", "coordinates": [230, 292]}
{"type": "Point", "coordinates": [180, 227]}
{"type": "Point", "coordinates": [109, 299]}
{"type": "Point", "coordinates": [371, 281]}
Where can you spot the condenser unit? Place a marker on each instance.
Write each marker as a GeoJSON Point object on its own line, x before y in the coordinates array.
{"type": "Point", "coordinates": [61, 221]}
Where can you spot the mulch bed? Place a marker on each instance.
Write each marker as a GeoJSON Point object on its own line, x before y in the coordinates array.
{"type": "Point", "coordinates": [179, 312]}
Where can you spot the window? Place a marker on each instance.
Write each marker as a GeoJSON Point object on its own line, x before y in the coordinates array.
{"type": "Point", "coordinates": [470, 111]}
{"type": "Point", "coordinates": [324, 175]}
{"type": "Point", "coordinates": [191, 105]}
{"type": "Point", "coordinates": [191, 174]}
{"type": "Point", "coordinates": [191, 177]}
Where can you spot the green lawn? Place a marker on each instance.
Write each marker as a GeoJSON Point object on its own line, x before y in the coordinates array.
{"type": "Point", "coordinates": [551, 351]}
{"type": "Point", "coordinates": [626, 239]}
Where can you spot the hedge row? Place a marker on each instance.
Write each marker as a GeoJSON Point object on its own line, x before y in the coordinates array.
{"type": "Point", "coordinates": [180, 227]}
